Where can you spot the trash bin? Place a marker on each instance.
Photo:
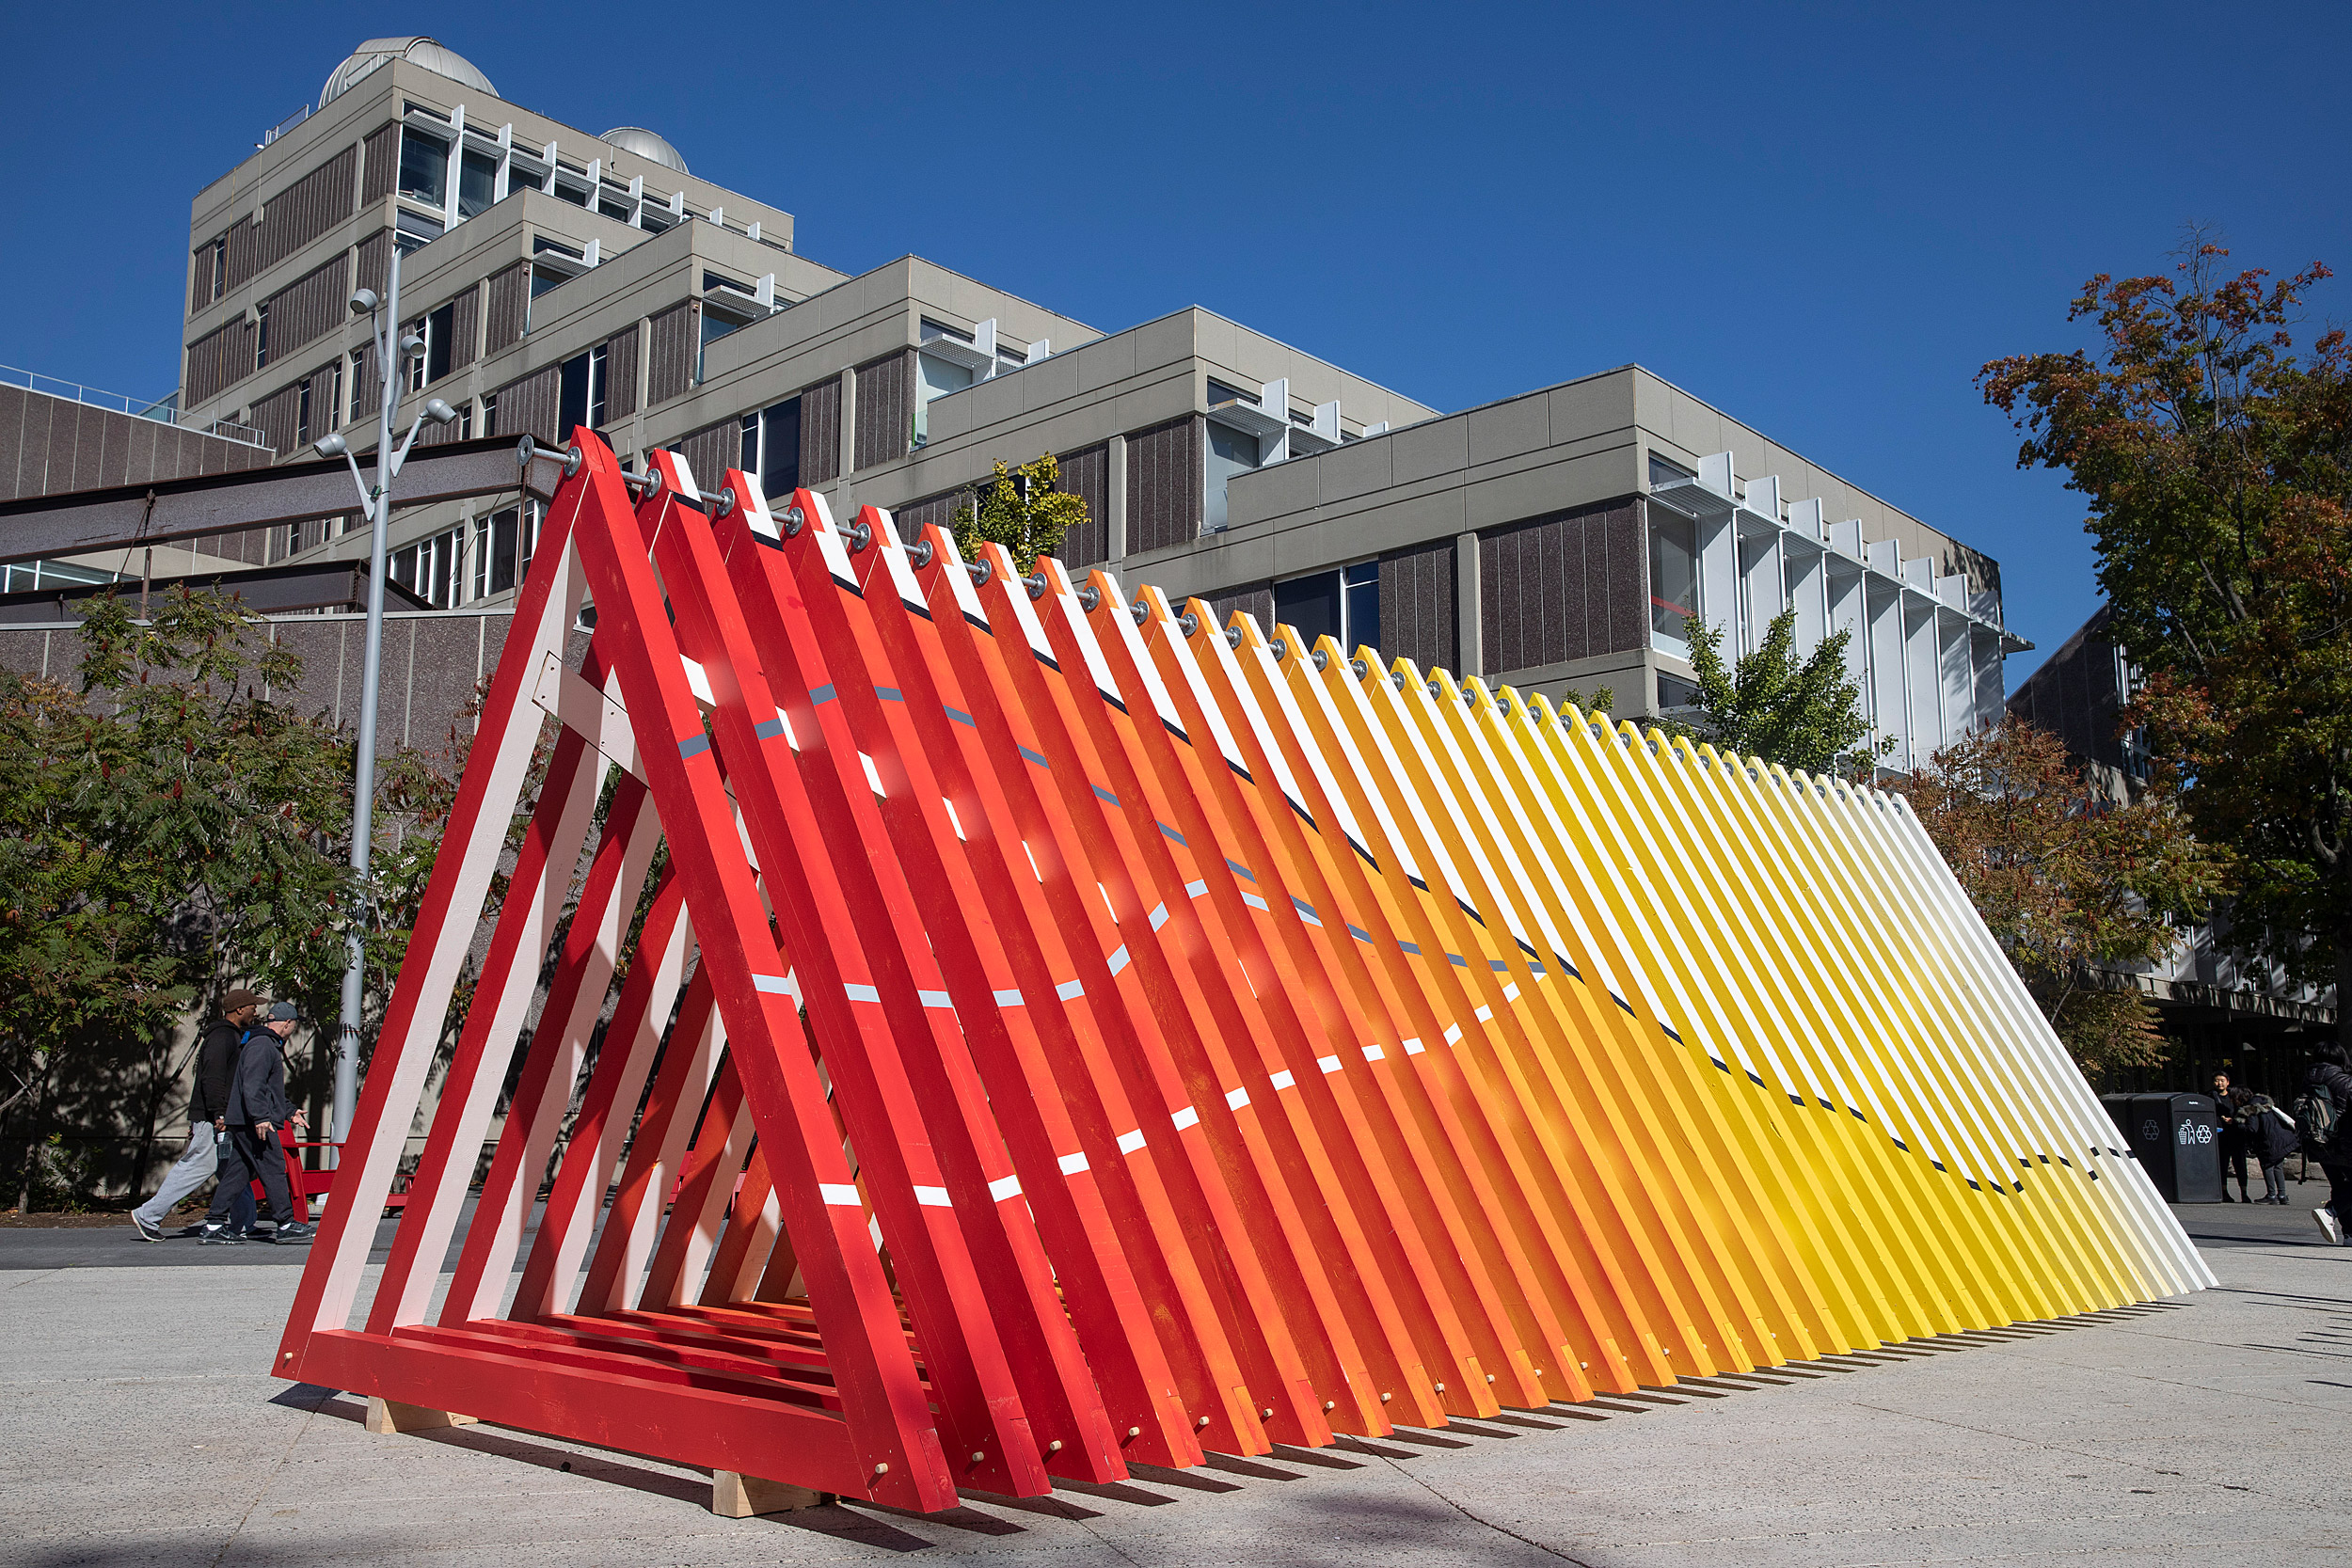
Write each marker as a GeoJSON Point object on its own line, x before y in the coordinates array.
{"type": "Point", "coordinates": [2176, 1140]}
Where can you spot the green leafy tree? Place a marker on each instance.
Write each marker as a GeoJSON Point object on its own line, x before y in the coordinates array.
{"type": "Point", "coordinates": [2073, 883]}
{"type": "Point", "coordinates": [1020, 509]}
{"type": "Point", "coordinates": [167, 831]}
{"type": "Point", "coordinates": [1797, 713]}
{"type": "Point", "coordinates": [2216, 464]}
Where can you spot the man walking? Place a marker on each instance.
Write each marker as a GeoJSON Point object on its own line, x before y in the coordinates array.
{"type": "Point", "coordinates": [2229, 1113]}
{"type": "Point", "coordinates": [257, 1109]}
{"type": "Point", "coordinates": [208, 1112]}
{"type": "Point", "coordinates": [2325, 1137]}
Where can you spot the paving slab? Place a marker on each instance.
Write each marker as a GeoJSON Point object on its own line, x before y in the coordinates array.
{"type": "Point", "coordinates": [142, 1427]}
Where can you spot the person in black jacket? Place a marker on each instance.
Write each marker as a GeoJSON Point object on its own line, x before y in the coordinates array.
{"type": "Point", "coordinates": [208, 1113]}
{"type": "Point", "coordinates": [257, 1110]}
{"type": "Point", "coordinates": [2229, 1113]}
{"type": "Point", "coordinates": [2328, 1074]}
{"type": "Point", "coordinates": [2270, 1138]}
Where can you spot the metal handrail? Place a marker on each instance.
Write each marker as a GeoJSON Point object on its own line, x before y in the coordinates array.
{"type": "Point", "coordinates": [282, 127]}
{"type": "Point", "coordinates": [164, 410]}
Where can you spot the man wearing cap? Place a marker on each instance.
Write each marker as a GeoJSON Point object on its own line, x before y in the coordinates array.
{"type": "Point", "coordinates": [257, 1109]}
{"type": "Point", "coordinates": [208, 1111]}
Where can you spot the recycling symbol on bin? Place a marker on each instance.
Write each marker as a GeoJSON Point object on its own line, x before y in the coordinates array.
{"type": "Point", "coordinates": [2151, 1130]}
{"type": "Point", "coordinates": [2193, 1133]}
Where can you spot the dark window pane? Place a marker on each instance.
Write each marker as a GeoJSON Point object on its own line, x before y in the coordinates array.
{"type": "Point", "coordinates": [440, 334]}
{"type": "Point", "coordinates": [1674, 573]}
{"type": "Point", "coordinates": [1363, 606]}
{"type": "Point", "coordinates": [1311, 604]}
{"type": "Point", "coordinates": [424, 167]}
{"type": "Point", "coordinates": [503, 548]}
{"type": "Point", "coordinates": [572, 403]}
{"type": "Point", "coordinates": [477, 184]}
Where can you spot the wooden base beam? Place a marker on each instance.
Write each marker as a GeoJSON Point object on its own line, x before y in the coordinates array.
{"type": "Point", "coordinates": [733, 1496]}
{"type": "Point", "coordinates": [390, 1416]}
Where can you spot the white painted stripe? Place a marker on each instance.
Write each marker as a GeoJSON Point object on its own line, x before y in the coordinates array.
{"type": "Point", "coordinates": [1485, 1013]}
{"type": "Point", "coordinates": [873, 1229]}
{"type": "Point", "coordinates": [839, 1195]}
{"type": "Point", "coordinates": [862, 993]}
{"type": "Point", "coordinates": [931, 1198]}
{"type": "Point", "coordinates": [1413, 1047]}
{"type": "Point", "coordinates": [1129, 1142]}
{"type": "Point", "coordinates": [1186, 1117]}
{"type": "Point", "coordinates": [1254, 900]}
{"type": "Point", "coordinates": [1237, 1098]}
{"type": "Point", "coordinates": [1373, 1053]}
{"type": "Point", "coordinates": [1510, 990]}
{"type": "Point", "coordinates": [933, 998]}
{"type": "Point", "coordinates": [872, 777]}
{"type": "Point", "coordinates": [1453, 1034]}
{"type": "Point", "coordinates": [1070, 989]}
{"type": "Point", "coordinates": [1006, 1187]}
{"type": "Point", "coordinates": [1196, 890]}
{"type": "Point", "coordinates": [1282, 1080]}
{"type": "Point", "coordinates": [1118, 959]}
{"type": "Point", "coordinates": [1073, 1163]}
{"type": "Point", "coordinates": [774, 985]}
{"type": "Point", "coordinates": [698, 681]}
{"type": "Point", "coordinates": [1008, 999]}
{"type": "Point", "coordinates": [1159, 916]}
{"type": "Point", "coordinates": [1328, 1064]}
{"type": "Point", "coordinates": [952, 820]}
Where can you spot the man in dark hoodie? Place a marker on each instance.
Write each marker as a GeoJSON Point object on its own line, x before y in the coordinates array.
{"type": "Point", "coordinates": [2328, 1075]}
{"type": "Point", "coordinates": [258, 1109]}
{"type": "Point", "coordinates": [208, 1113]}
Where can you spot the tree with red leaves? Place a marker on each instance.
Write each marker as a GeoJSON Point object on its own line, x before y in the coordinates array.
{"type": "Point", "coordinates": [2217, 458]}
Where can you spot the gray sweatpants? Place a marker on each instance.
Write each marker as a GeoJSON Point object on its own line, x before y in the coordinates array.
{"type": "Point", "coordinates": [192, 1170]}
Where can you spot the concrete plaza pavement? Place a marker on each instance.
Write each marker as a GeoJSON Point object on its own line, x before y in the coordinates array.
{"type": "Point", "coordinates": [141, 1428]}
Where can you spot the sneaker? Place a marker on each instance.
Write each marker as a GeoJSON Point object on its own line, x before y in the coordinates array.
{"type": "Point", "coordinates": [291, 1233]}
{"type": "Point", "coordinates": [2329, 1226]}
{"type": "Point", "coordinates": [149, 1230]}
{"type": "Point", "coordinates": [220, 1235]}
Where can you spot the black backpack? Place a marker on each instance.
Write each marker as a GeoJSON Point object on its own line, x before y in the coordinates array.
{"type": "Point", "coordinates": [2314, 1118]}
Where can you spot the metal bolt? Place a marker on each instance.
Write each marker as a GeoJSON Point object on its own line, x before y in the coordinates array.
{"type": "Point", "coordinates": [1357, 668]}
{"type": "Point", "coordinates": [1232, 637]}
{"type": "Point", "coordinates": [1279, 649]}
{"type": "Point", "coordinates": [883, 1469]}
{"type": "Point", "coordinates": [981, 570]}
{"type": "Point", "coordinates": [1142, 611]}
{"type": "Point", "coordinates": [977, 1458]}
{"type": "Point", "coordinates": [573, 457]}
{"type": "Point", "coordinates": [1189, 624]}
{"type": "Point", "coordinates": [1035, 583]}
{"type": "Point", "coordinates": [1089, 597]}
{"type": "Point", "coordinates": [861, 535]}
{"type": "Point", "coordinates": [726, 507]}
{"type": "Point", "coordinates": [1267, 1414]}
{"type": "Point", "coordinates": [920, 552]}
{"type": "Point", "coordinates": [1054, 1447]}
{"type": "Point", "coordinates": [1322, 661]}
{"type": "Point", "coordinates": [794, 520]}
{"type": "Point", "coordinates": [1132, 1432]}
{"type": "Point", "coordinates": [1331, 1405]}
{"type": "Point", "coordinates": [1202, 1422]}
{"type": "Point", "coordinates": [1384, 1399]}
{"type": "Point", "coordinates": [1441, 1387]}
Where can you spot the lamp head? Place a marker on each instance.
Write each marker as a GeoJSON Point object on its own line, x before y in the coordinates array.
{"type": "Point", "coordinates": [440, 412]}
{"type": "Point", "coordinates": [411, 343]}
{"type": "Point", "coordinates": [364, 302]}
{"type": "Point", "coordinates": [330, 445]}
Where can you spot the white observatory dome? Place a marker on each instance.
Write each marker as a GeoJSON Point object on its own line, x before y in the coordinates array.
{"type": "Point", "coordinates": [421, 51]}
{"type": "Point", "coordinates": [637, 139]}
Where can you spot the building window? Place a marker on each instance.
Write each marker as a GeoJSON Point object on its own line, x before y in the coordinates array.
{"type": "Point", "coordinates": [934, 377]}
{"type": "Point", "coordinates": [412, 230]}
{"type": "Point", "coordinates": [771, 447]}
{"type": "Point", "coordinates": [1674, 691]}
{"type": "Point", "coordinates": [499, 555]}
{"type": "Point", "coordinates": [477, 184]}
{"type": "Point", "coordinates": [302, 414]}
{"type": "Point", "coordinates": [429, 567]}
{"type": "Point", "coordinates": [1343, 605]}
{"type": "Point", "coordinates": [1219, 393]}
{"type": "Point", "coordinates": [581, 394]}
{"type": "Point", "coordinates": [1664, 470]}
{"type": "Point", "coordinates": [424, 167]}
{"type": "Point", "coordinates": [715, 325]}
{"type": "Point", "coordinates": [613, 203]}
{"type": "Point", "coordinates": [1230, 452]}
{"type": "Point", "coordinates": [1674, 580]}
{"type": "Point", "coordinates": [215, 262]}
{"type": "Point", "coordinates": [438, 329]}
{"type": "Point", "coordinates": [489, 413]}
{"type": "Point", "coordinates": [260, 335]}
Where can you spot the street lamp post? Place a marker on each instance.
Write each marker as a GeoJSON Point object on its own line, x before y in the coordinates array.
{"type": "Point", "coordinates": [392, 354]}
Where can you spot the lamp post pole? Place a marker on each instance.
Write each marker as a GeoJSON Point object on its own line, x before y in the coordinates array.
{"type": "Point", "coordinates": [393, 353]}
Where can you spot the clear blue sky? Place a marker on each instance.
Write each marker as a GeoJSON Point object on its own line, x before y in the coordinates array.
{"type": "Point", "coordinates": [1822, 220]}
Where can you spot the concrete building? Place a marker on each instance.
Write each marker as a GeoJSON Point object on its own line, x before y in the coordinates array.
{"type": "Point", "coordinates": [1559, 540]}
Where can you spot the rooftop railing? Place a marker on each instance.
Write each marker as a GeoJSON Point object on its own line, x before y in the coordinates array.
{"type": "Point", "coordinates": [163, 411]}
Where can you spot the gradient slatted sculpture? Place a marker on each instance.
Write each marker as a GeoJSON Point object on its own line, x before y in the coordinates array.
{"type": "Point", "coordinates": [1006, 1029]}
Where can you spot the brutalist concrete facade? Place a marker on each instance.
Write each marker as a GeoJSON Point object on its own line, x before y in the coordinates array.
{"type": "Point", "coordinates": [1559, 540]}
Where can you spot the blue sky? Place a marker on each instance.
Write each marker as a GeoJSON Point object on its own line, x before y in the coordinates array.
{"type": "Point", "coordinates": [1822, 220]}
